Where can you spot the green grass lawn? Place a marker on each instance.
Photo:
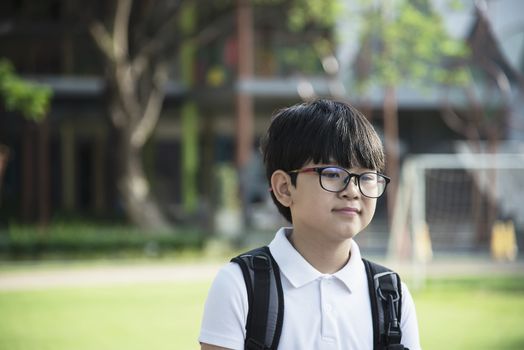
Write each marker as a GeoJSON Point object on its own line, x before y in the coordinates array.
{"type": "Point", "coordinates": [453, 314]}
{"type": "Point", "coordinates": [150, 316]}
{"type": "Point", "coordinates": [472, 313]}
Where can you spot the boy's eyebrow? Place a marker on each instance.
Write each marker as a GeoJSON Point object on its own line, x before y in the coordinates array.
{"type": "Point", "coordinates": [321, 165]}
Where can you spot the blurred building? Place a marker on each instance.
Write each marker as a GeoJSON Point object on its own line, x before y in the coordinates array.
{"type": "Point", "coordinates": [49, 43]}
{"type": "Point", "coordinates": [234, 76]}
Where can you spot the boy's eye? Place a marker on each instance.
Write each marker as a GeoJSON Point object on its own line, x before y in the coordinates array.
{"type": "Point", "coordinates": [368, 177]}
{"type": "Point", "coordinates": [333, 173]}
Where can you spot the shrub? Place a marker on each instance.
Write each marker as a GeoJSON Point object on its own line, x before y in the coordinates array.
{"type": "Point", "coordinates": [84, 240]}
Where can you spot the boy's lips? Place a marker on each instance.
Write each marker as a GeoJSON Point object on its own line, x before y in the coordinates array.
{"type": "Point", "coordinates": [347, 210]}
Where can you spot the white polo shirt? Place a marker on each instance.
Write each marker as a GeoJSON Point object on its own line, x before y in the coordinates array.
{"type": "Point", "coordinates": [321, 311]}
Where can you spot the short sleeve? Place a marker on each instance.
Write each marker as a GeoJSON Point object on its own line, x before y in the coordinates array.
{"type": "Point", "coordinates": [225, 310]}
{"type": "Point", "coordinates": [409, 323]}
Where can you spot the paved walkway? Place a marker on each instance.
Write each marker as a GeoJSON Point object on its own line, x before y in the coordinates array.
{"type": "Point", "coordinates": [115, 274]}
{"type": "Point", "coordinates": [105, 275]}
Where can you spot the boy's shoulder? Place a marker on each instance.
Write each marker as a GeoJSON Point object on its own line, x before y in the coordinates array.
{"type": "Point", "coordinates": [228, 278]}
{"type": "Point", "coordinates": [266, 298]}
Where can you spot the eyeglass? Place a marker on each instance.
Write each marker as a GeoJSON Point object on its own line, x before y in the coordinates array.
{"type": "Point", "coordinates": [336, 179]}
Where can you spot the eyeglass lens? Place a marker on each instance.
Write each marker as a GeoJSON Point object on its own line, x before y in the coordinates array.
{"type": "Point", "coordinates": [336, 180]}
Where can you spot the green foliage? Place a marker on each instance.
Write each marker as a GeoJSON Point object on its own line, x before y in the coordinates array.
{"type": "Point", "coordinates": [303, 12]}
{"type": "Point", "coordinates": [298, 59]}
{"type": "Point", "coordinates": [409, 43]}
{"type": "Point", "coordinates": [90, 240]}
{"type": "Point", "coordinates": [19, 95]}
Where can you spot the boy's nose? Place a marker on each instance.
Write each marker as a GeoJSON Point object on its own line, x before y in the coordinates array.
{"type": "Point", "coordinates": [351, 189]}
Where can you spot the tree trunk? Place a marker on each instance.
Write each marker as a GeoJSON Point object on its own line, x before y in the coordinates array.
{"type": "Point", "coordinates": [137, 80]}
{"type": "Point", "coordinates": [244, 101]}
{"type": "Point", "coordinates": [133, 187]}
{"type": "Point", "coordinates": [391, 146]}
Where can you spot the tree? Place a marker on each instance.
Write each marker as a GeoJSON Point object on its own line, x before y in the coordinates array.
{"type": "Point", "coordinates": [391, 53]}
{"type": "Point", "coordinates": [20, 95]}
{"type": "Point", "coordinates": [404, 42]}
{"type": "Point", "coordinates": [139, 44]}
{"type": "Point", "coordinates": [32, 101]}
{"type": "Point", "coordinates": [487, 113]}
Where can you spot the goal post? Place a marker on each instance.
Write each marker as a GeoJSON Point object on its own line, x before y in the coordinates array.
{"type": "Point", "coordinates": [450, 202]}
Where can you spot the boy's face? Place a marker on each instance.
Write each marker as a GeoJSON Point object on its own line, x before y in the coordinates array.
{"type": "Point", "coordinates": [335, 216]}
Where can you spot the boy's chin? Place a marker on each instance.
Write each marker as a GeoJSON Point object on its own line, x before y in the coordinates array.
{"type": "Point", "coordinates": [347, 235]}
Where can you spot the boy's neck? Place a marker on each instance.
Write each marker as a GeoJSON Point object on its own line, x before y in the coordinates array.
{"type": "Point", "coordinates": [327, 257]}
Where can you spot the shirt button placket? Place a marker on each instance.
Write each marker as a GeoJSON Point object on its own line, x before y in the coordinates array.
{"type": "Point", "coordinates": [328, 320]}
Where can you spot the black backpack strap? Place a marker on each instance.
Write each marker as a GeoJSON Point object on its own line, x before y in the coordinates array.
{"type": "Point", "coordinates": [265, 297]}
{"type": "Point", "coordinates": [385, 292]}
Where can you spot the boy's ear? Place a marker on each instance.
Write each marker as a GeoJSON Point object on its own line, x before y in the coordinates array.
{"type": "Point", "coordinates": [280, 185]}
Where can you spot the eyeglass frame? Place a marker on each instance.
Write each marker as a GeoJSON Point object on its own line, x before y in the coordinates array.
{"type": "Point", "coordinates": [319, 170]}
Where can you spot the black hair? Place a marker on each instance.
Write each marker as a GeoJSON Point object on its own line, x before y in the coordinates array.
{"type": "Point", "coordinates": [321, 131]}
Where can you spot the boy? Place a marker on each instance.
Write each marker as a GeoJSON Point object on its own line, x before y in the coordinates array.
{"type": "Point", "coordinates": [323, 161]}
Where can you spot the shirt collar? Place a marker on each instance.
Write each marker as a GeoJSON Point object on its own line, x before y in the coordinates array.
{"type": "Point", "coordinates": [299, 272]}
{"type": "Point", "coordinates": [351, 273]}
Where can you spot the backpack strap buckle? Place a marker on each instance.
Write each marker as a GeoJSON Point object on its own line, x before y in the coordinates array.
{"type": "Point", "coordinates": [393, 332]}
{"type": "Point", "coordinates": [386, 285]}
